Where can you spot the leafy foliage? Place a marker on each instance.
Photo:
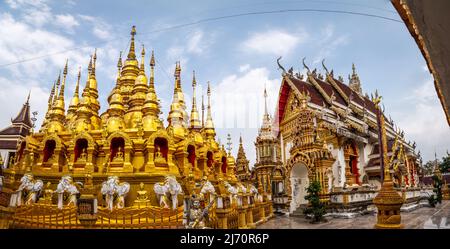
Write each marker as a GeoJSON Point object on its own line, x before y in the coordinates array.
{"type": "Point", "coordinates": [316, 208]}
{"type": "Point", "coordinates": [437, 184]}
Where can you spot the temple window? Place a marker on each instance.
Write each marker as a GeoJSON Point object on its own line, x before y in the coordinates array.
{"type": "Point", "coordinates": [49, 150]}
{"type": "Point", "coordinates": [353, 161]}
{"type": "Point", "coordinates": [161, 148]}
{"type": "Point", "coordinates": [117, 149]}
{"type": "Point", "coordinates": [81, 150]}
{"type": "Point", "coordinates": [224, 165]}
{"type": "Point", "coordinates": [11, 156]}
{"type": "Point", "coordinates": [210, 160]}
{"type": "Point", "coordinates": [191, 155]}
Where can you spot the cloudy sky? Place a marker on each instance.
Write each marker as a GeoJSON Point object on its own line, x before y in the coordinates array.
{"type": "Point", "coordinates": [236, 53]}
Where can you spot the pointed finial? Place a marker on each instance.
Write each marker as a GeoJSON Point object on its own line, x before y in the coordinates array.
{"type": "Point", "coordinates": [132, 53]}
{"type": "Point", "coordinates": [353, 68]}
{"type": "Point", "coordinates": [240, 139]}
{"type": "Point", "coordinates": [203, 111]}
{"type": "Point", "coordinates": [119, 62]}
{"type": "Point", "coordinates": [65, 67]}
{"type": "Point", "coordinates": [28, 98]}
{"type": "Point", "coordinates": [90, 66]}
{"type": "Point", "coordinates": [77, 86]}
{"type": "Point", "coordinates": [142, 58]}
{"type": "Point", "coordinates": [265, 102]}
{"type": "Point", "coordinates": [94, 61]}
{"type": "Point", "coordinates": [152, 60]}
{"type": "Point", "coordinates": [194, 82]}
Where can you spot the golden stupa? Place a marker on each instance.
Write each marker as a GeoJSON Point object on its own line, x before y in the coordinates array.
{"type": "Point", "coordinates": [124, 162]}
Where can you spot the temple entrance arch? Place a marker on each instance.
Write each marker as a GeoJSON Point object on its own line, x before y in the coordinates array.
{"type": "Point", "coordinates": [299, 182]}
{"type": "Point", "coordinates": [299, 169]}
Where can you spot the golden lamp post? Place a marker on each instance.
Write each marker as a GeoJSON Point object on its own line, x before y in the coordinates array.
{"type": "Point", "coordinates": [388, 201]}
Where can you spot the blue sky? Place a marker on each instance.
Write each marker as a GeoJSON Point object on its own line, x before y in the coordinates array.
{"type": "Point", "coordinates": [237, 55]}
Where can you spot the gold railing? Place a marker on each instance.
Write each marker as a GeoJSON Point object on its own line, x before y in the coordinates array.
{"type": "Point", "coordinates": [256, 214]}
{"type": "Point", "coordinates": [50, 217]}
{"type": "Point", "coordinates": [45, 216]}
{"type": "Point", "coordinates": [233, 219]}
{"type": "Point", "coordinates": [144, 217]}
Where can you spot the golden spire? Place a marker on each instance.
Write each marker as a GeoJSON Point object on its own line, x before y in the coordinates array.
{"type": "Point", "coordinates": [209, 126]}
{"type": "Point", "coordinates": [57, 114]}
{"type": "Point", "coordinates": [61, 91]}
{"type": "Point", "coordinates": [132, 53]}
{"type": "Point", "coordinates": [58, 82]}
{"type": "Point", "coordinates": [93, 93]}
{"type": "Point", "coordinates": [142, 68]}
{"type": "Point", "coordinates": [75, 99]}
{"type": "Point", "coordinates": [49, 108]}
{"type": "Point", "coordinates": [84, 110]}
{"type": "Point", "coordinates": [195, 121]}
{"type": "Point", "coordinates": [150, 110]}
{"type": "Point", "coordinates": [119, 69]}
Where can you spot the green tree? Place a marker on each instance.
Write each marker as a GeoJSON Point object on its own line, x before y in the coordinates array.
{"type": "Point", "coordinates": [316, 208]}
{"type": "Point", "coordinates": [428, 167]}
{"type": "Point", "coordinates": [445, 164]}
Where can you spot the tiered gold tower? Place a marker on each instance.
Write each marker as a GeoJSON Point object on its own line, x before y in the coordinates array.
{"type": "Point", "coordinates": [128, 140]}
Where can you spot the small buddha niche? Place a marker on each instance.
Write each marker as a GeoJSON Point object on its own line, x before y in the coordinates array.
{"type": "Point", "coordinates": [191, 155]}
{"type": "Point", "coordinates": [49, 151]}
{"type": "Point", "coordinates": [142, 195]}
{"type": "Point", "coordinates": [224, 165]}
{"type": "Point", "coordinates": [81, 150]}
{"type": "Point", "coordinates": [353, 161]}
{"type": "Point", "coordinates": [209, 159]}
{"type": "Point", "coordinates": [117, 149]}
{"type": "Point", "coordinates": [161, 149]}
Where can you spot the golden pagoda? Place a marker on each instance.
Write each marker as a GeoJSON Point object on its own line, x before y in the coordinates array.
{"type": "Point", "coordinates": [123, 156]}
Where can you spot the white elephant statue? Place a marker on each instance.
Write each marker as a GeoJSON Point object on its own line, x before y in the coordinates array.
{"type": "Point", "coordinates": [29, 188]}
{"type": "Point", "coordinates": [208, 188]}
{"type": "Point", "coordinates": [231, 190]}
{"type": "Point", "coordinates": [171, 188]}
{"type": "Point", "coordinates": [161, 190]}
{"type": "Point", "coordinates": [66, 185]}
{"type": "Point", "coordinates": [253, 189]}
{"type": "Point", "coordinates": [112, 188]}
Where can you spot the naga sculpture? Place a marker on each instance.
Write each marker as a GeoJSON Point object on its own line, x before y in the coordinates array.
{"type": "Point", "coordinates": [29, 190]}
{"type": "Point", "coordinates": [169, 188]}
{"type": "Point", "coordinates": [112, 189]}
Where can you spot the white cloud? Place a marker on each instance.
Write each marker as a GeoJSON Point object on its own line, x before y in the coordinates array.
{"type": "Point", "coordinates": [328, 43]}
{"type": "Point", "coordinates": [21, 41]}
{"type": "Point", "coordinates": [238, 105]}
{"type": "Point", "coordinates": [277, 42]}
{"type": "Point", "coordinates": [66, 21]}
{"type": "Point", "coordinates": [424, 121]}
{"type": "Point", "coordinates": [244, 68]}
{"type": "Point", "coordinates": [100, 28]}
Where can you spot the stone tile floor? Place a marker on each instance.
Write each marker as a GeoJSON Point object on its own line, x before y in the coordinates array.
{"type": "Point", "coordinates": [421, 218]}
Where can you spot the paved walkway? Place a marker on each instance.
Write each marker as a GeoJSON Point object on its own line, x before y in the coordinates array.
{"type": "Point", "coordinates": [425, 217]}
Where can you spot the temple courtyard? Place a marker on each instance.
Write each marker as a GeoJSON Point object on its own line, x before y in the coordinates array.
{"type": "Point", "coordinates": [421, 218]}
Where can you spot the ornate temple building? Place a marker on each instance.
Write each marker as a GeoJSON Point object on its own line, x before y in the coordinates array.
{"type": "Point", "coordinates": [124, 162]}
{"type": "Point", "coordinates": [326, 130]}
{"type": "Point", "coordinates": [10, 136]}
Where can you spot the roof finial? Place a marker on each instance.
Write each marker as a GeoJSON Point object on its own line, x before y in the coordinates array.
{"type": "Point", "coordinates": [94, 61]}
{"type": "Point", "coordinates": [77, 86]}
{"type": "Point", "coordinates": [28, 98]}
{"type": "Point", "coordinates": [265, 102]}
{"type": "Point", "coordinates": [203, 111]}
{"type": "Point", "coordinates": [61, 90]}
{"type": "Point", "coordinates": [152, 70]}
{"type": "Point", "coordinates": [143, 58]}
